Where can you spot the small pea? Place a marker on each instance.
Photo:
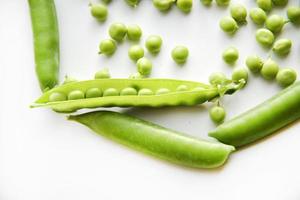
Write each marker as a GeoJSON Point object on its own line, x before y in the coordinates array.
{"type": "Point", "coordinates": [182, 88]}
{"type": "Point", "coordinates": [223, 2]}
{"type": "Point", "coordinates": [239, 74]}
{"type": "Point", "coordinates": [76, 94]}
{"type": "Point", "coordinates": [111, 92]}
{"type": "Point", "coordinates": [57, 96]}
{"type": "Point", "coordinates": [230, 55]}
{"type": "Point", "coordinates": [102, 74]}
{"type": "Point", "coordinates": [117, 31]}
{"type": "Point", "coordinates": [99, 11]}
{"type": "Point", "coordinates": [136, 76]}
{"type": "Point", "coordinates": [162, 91]}
{"type": "Point", "coordinates": [275, 23]}
{"type": "Point", "coordinates": [238, 13]}
{"type": "Point", "coordinates": [228, 25]}
{"type": "Point", "coordinates": [206, 2]}
{"type": "Point", "coordinates": [217, 114]}
{"type": "Point", "coordinates": [217, 78]}
{"type": "Point", "coordinates": [282, 47]}
{"type": "Point", "coordinates": [163, 5]}
{"type": "Point", "coordinates": [145, 92]}
{"type": "Point", "coordinates": [280, 2]}
{"type": "Point", "coordinates": [254, 63]}
{"type": "Point", "coordinates": [128, 91]}
{"type": "Point", "coordinates": [135, 52]}
{"type": "Point", "coordinates": [265, 37]}
{"type": "Point", "coordinates": [180, 54]}
{"type": "Point", "coordinates": [269, 69]}
{"type": "Point", "coordinates": [133, 3]}
{"type": "Point", "coordinates": [266, 5]}
{"type": "Point", "coordinates": [144, 66]}
{"type": "Point", "coordinates": [286, 77]}
{"type": "Point", "coordinates": [134, 32]}
{"type": "Point", "coordinates": [107, 47]}
{"type": "Point", "coordinates": [258, 16]}
{"type": "Point", "coordinates": [185, 5]}
{"type": "Point", "coordinates": [293, 14]}
{"type": "Point", "coordinates": [93, 93]}
{"type": "Point", "coordinates": [153, 43]}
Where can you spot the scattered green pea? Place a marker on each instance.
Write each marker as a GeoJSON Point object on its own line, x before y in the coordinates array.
{"type": "Point", "coordinates": [238, 13]}
{"type": "Point", "coordinates": [128, 91]}
{"type": "Point", "coordinates": [258, 16]}
{"type": "Point", "coordinates": [107, 47]}
{"type": "Point", "coordinates": [275, 23]}
{"type": "Point", "coordinates": [282, 47]}
{"type": "Point", "coordinates": [217, 114]}
{"type": "Point", "coordinates": [230, 55]}
{"type": "Point", "coordinates": [239, 74]}
{"type": "Point", "coordinates": [134, 32]}
{"type": "Point", "coordinates": [266, 5]}
{"type": "Point", "coordinates": [223, 2]}
{"type": "Point", "coordinates": [217, 78]}
{"type": "Point", "coordinates": [180, 54]}
{"type": "Point", "coordinates": [76, 94]}
{"type": "Point", "coordinates": [110, 92]}
{"type": "Point", "coordinates": [153, 43]}
{"type": "Point", "coordinates": [162, 91]}
{"type": "Point", "coordinates": [102, 74]}
{"type": "Point", "coordinates": [135, 52]}
{"type": "Point", "coordinates": [57, 96]}
{"type": "Point", "coordinates": [293, 14]}
{"type": "Point", "coordinates": [185, 5]}
{"type": "Point", "coordinates": [286, 77]}
{"type": "Point", "coordinates": [117, 31]}
{"type": "Point", "coordinates": [182, 88]}
{"type": "Point", "coordinates": [145, 92]}
{"type": "Point", "coordinates": [133, 3]}
{"type": "Point", "coordinates": [93, 93]}
{"type": "Point", "coordinates": [265, 37]}
{"type": "Point", "coordinates": [136, 75]}
{"type": "Point", "coordinates": [270, 69]}
{"type": "Point", "coordinates": [254, 63]}
{"type": "Point", "coordinates": [206, 2]}
{"type": "Point", "coordinates": [228, 25]}
{"type": "Point", "coordinates": [280, 2]}
{"type": "Point", "coordinates": [99, 11]}
{"type": "Point", "coordinates": [163, 5]}
{"type": "Point", "coordinates": [144, 66]}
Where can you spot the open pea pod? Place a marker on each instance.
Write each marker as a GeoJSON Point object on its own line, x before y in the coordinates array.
{"type": "Point", "coordinates": [146, 93]}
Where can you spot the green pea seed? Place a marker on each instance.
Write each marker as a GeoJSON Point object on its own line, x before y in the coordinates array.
{"type": "Point", "coordinates": [133, 3]}
{"type": "Point", "coordinates": [254, 63]}
{"type": "Point", "coordinates": [99, 11]}
{"type": "Point", "coordinates": [228, 25]}
{"type": "Point", "coordinates": [217, 78]}
{"type": "Point", "coordinates": [180, 54]}
{"type": "Point", "coordinates": [76, 94]}
{"type": "Point", "coordinates": [266, 5]}
{"type": "Point", "coordinates": [282, 47]}
{"type": "Point", "coordinates": [238, 12]}
{"type": "Point", "coordinates": [293, 14]}
{"type": "Point", "coordinates": [286, 77]}
{"type": "Point", "coordinates": [144, 66]}
{"type": "Point", "coordinates": [258, 16]}
{"type": "Point", "coordinates": [280, 2]}
{"type": "Point", "coordinates": [134, 32]}
{"type": "Point", "coordinates": [239, 74]}
{"type": "Point", "coordinates": [117, 31]}
{"type": "Point", "coordinates": [275, 23]}
{"type": "Point", "coordinates": [163, 5]}
{"type": "Point", "coordinates": [230, 55]}
{"type": "Point", "coordinates": [206, 2]}
{"type": "Point", "coordinates": [102, 74]}
{"type": "Point", "coordinates": [128, 91]}
{"type": "Point", "coordinates": [145, 92]}
{"type": "Point", "coordinates": [269, 69]}
{"type": "Point", "coordinates": [57, 96]}
{"type": "Point", "coordinates": [93, 93]}
{"type": "Point", "coordinates": [182, 88]}
{"type": "Point", "coordinates": [153, 43]}
{"type": "Point", "coordinates": [162, 91]}
{"type": "Point", "coordinates": [136, 76]}
{"type": "Point", "coordinates": [185, 5]}
{"type": "Point", "coordinates": [217, 114]}
{"type": "Point", "coordinates": [135, 52]}
{"type": "Point", "coordinates": [111, 92]}
{"type": "Point", "coordinates": [223, 2]}
{"type": "Point", "coordinates": [265, 37]}
{"type": "Point", "coordinates": [107, 47]}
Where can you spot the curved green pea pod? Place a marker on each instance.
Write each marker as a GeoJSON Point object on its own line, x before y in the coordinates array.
{"type": "Point", "coordinates": [155, 140]}
{"type": "Point", "coordinates": [173, 98]}
{"type": "Point", "coordinates": [263, 120]}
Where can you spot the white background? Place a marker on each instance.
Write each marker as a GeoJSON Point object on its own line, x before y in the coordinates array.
{"type": "Point", "coordinates": [45, 157]}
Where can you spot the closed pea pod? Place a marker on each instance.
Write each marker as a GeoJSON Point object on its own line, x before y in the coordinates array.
{"type": "Point", "coordinates": [282, 47]}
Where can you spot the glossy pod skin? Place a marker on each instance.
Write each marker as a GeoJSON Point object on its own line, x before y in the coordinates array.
{"type": "Point", "coordinates": [262, 120]}
{"type": "Point", "coordinates": [46, 42]}
{"type": "Point", "coordinates": [155, 140]}
{"type": "Point", "coordinates": [193, 94]}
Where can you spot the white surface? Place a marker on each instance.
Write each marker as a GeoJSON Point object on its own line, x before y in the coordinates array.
{"type": "Point", "coordinates": [45, 157]}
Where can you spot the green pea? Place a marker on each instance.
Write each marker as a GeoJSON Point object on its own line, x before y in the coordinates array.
{"type": "Point", "coordinates": [162, 91]}
{"type": "Point", "coordinates": [223, 2]}
{"type": "Point", "coordinates": [239, 74]}
{"type": "Point", "coordinates": [136, 52]}
{"type": "Point", "coordinates": [180, 54]}
{"type": "Point", "coordinates": [275, 23]}
{"type": "Point", "coordinates": [238, 12]}
{"type": "Point", "coordinates": [153, 43]}
{"type": "Point", "coordinates": [230, 55]}
{"type": "Point", "coordinates": [217, 78]}
{"type": "Point", "coordinates": [258, 16]}
{"type": "Point", "coordinates": [185, 5]}
{"type": "Point", "coordinates": [99, 11]}
{"type": "Point", "coordinates": [111, 92]}
{"type": "Point", "coordinates": [134, 32]}
{"type": "Point", "coordinates": [107, 47]}
{"type": "Point", "coordinates": [266, 5]}
{"type": "Point", "coordinates": [293, 14]}
{"type": "Point", "coordinates": [282, 47]}
{"type": "Point", "coordinates": [286, 77]}
{"type": "Point", "coordinates": [163, 5]}
{"type": "Point", "coordinates": [136, 76]}
{"type": "Point", "coordinates": [206, 2]}
{"type": "Point", "coordinates": [254, 63]}
{"type": "Point", "coordinates": [217, 114]}
{"type": "Point", "coordinates": [102, 74]}
{"type": "Point", "coordinates": [228, 25]}
{"type": "Point", "coordinates": [117, 31]}
{"type": "Point", "coordinates": [145, 92]}
{"type": "Point", "coordinates": [182, 88]}
{"type": "Point", "coordinates": [144, 66]}
{"type": "Point", "coordinates": [269, 69]}
{"type": "Point", "coordinates": [133, 3]}
{"type": "Point", "coordinates": [280, 2]}
{"type": "Point", "coordinates": [57, 96]}
{"type": "Point", "coordinates": [93, 93]}
{"type": "Point", "coordinates": [76, 94]}
{"type": "Point", "coordinates": [265, 37]}
{"type": "Point", "coordinates": [128, 91]}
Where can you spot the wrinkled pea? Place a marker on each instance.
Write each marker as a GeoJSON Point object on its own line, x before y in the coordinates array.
{"type": "Point", "coordinates": [230, 55]}
{"type": "Point", "coordinates": [266, 5]}
{"type": "Point", "coordinates": [163, 5]}
{"type": "Point", "coordinates": [162, 91]}
{"type": "Point", "coordinates": [217, 78]}
{"type": "Point", "coordinates": [144, 66]}
{"type": "Point", "coordinates": [275, 23]}
{"type": "Point", "coordinates": [102, 74]}
{"type": "Point", "coordinates": [93, 93]}
{"type": "Point", "coordinates": [134, 32]}
{"type": "Point", "coordinates": [258, 16]}
{"type": "Point", "coordinates": [184, 5]}
{"type": "Point", "coordinates": [265, 37]}
{"type": "Point", "coordinates": [254, 63]}
{"type": "Point", "coordinates": [111, 92]}
{"type": "Point", "coordinates": [182, 88]}
{"type": "Point", "coordinates": [282, 47]}
{"type": "Point", "coordinates": [238, 12]}
{"type": "Point", "coordinates": [239, 74]}
{"type": "Point", "coordinates": [286, 77]}
{"type": "Point", "coordinates": [145, 92]}
{"type": "Point", "coordinates": [293, 14]}
{"type": "Point", "coordinates": [117, 31]}
{"type": "Point", "coordinates": [128, 91]}
{"type": "Point", "coordinates": [57, 96]}
{"type": "Point", "coordinates": [76, 94]}
{"type": "Point", "coordinates": [269, 69]}
{"type": "Point", "coordinates": [228, 25]}
{"type": "Point", "coordinates": [223, 2]}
